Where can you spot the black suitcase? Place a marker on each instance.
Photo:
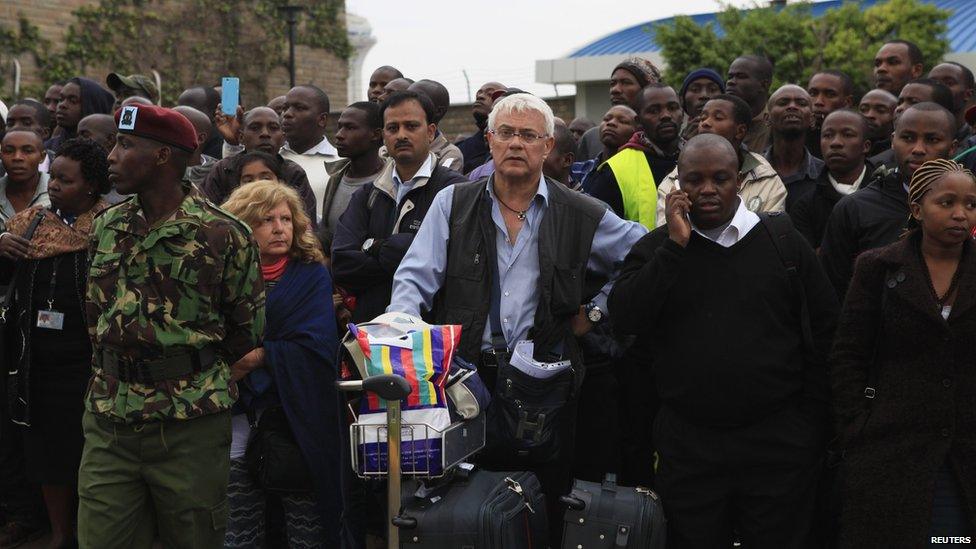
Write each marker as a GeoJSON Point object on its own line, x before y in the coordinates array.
{"type": "Point", "coordinates": [475, 510]}
{"type": "Point", "coordinates": [608, 516]}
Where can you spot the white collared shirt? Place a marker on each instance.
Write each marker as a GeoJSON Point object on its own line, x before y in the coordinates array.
{"type": "Point", "coordinates": [847, 189]}
{"type": "Point", "coordinates": [324, 148]}
{"type": "Point", "coordinates": [313, 162]}
{"type": "Point", "coordinates": [742, 222]}
{"type": "Point", "coordinates": [403, 187]}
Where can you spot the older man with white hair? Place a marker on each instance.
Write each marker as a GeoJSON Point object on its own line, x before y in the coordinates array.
{"type": "Point", "coordinates": [524, 265]}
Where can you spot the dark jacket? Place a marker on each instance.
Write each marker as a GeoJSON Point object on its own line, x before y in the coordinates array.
{"type": "Point", "coordinates": [967, 159]}
{"type": "Point", "coordinates": [872, 217]}
{"type": "Point", "coordinates": [924, 409]}
{"type": "Point", "coordinates": [225, 176]}
{"type": "Point", "coordinates": [373, 213]}
{"type": "Point", "coordinates": [801, 183]}
{"type": "Point", "coordinates": [475, 150]}
{"type": "Point", "coordinates": [214, 146]}
{"type": "Point", "coordinates": [48, 362]}
{"type": "Point", "coordinates": [878, 147]}
{"type": "Point", "coordinates": [884, 158]}
{"type": "Point", "coordinates": [589, 144]}
{"type": "Point", "coordinates": [810, 212]}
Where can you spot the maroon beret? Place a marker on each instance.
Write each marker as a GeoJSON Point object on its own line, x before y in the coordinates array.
{"type": "Point", "coordinates": [157, 123]}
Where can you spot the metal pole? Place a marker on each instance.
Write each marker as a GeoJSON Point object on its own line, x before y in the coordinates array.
{"type": "Point", "coordinates": [393, 471]}
{"type": "Point", "coordinates": [291, 50]}
{"type": "Point", "coordinates": [291, 17]}
{"type": "Point", "coordinates": [467, 82]}
{"type": "Point", "coordinates": [159, 87]}
{"type": "Point", "coordinates": [16, 79]}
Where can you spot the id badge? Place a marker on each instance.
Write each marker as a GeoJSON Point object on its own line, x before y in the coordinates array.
{"type": "Point", "coordinates": [52, 320]}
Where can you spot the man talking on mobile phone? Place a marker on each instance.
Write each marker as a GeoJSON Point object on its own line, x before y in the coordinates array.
{"type": "Point", "coordinates": [739, 315]}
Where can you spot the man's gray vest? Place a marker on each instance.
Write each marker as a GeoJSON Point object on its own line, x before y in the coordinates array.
{"type": "Point", "coordinates": [565, 238]}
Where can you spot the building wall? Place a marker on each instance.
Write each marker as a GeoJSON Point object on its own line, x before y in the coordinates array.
{"type": "Point", "coordinates": [53, 17]}
{"type": "Point", "coordinates": [313, 66]}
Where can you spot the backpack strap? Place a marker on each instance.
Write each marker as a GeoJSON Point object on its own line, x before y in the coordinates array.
{"type": "Point", "coordinates": [785, 240]}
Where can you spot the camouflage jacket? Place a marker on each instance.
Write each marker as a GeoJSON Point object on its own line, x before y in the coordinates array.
{"type": "Point", "coordinates": [185, 283]}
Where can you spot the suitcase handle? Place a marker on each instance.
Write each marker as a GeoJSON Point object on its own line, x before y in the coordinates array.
{"type": "Point", "coordinates": [572, 503]}
{"type": "Point", "coordinates": [406, 523]}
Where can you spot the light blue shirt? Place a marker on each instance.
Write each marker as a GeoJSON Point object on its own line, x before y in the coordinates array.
{"type": "Point", "coordinates": [403, 187]}
{"type": "Point", "coordinates": [422, 271]}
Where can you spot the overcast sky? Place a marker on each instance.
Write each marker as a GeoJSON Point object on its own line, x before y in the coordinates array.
{"type": "Point", "coordinates": [498, 39]}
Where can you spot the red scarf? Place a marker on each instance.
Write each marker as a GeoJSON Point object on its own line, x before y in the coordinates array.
{"type": "Point", "coordinates": [274, 270]}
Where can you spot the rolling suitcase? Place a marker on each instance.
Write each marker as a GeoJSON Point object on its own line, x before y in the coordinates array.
{"type": "Point", "coordinates": [462, 509]}
{"type": "Point", "coordinates": [608, 516]}
{"type": "Point", "coordinates": [475, 509]}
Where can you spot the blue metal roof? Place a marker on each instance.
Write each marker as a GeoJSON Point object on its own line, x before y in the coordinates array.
{"type": "Point", "coordinates": [640, 38]}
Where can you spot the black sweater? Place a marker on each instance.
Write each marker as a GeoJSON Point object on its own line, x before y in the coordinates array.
{"type": "Point", "coordinates": [723, 325]}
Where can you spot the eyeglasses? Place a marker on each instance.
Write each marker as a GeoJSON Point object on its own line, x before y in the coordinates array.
{"type": "Point", "coordinates": [528, 137]}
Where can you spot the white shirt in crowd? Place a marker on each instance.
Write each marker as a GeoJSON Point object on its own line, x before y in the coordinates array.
{"type": "Point", "coordinates": [313, 162]}
{"type": "Point", "coordinates": [847, 189]}
{"type": "Point", "coordinates": [728, 235]}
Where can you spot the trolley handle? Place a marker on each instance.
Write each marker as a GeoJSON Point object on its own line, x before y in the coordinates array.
{"type": "Point", "coordinates": [387, 386]}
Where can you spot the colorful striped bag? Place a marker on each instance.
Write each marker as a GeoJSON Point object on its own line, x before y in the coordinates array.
{"type": "Point", "coordinates": [422, 355]}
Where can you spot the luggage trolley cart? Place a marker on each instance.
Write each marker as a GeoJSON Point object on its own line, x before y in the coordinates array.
{"type": "Point", "coordinates": [398, 448]}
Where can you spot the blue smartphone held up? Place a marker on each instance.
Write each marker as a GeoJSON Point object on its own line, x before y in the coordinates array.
{"type": "Point", "coordinates": [230, 93]}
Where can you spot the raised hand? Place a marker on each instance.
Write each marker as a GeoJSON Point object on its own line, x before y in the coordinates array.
{"type": "Point", "coordinates": [676, 208]}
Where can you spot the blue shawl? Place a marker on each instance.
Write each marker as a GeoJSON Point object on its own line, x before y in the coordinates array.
{"type": "Point", "coordinates": [300, 345]}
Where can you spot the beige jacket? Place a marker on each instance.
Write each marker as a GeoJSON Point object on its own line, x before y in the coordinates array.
{"type": "Point", "coordinates": [762, 190]}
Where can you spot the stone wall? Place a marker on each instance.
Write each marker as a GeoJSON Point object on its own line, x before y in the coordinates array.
{"type": "Point", "coordinates": [53, 17]}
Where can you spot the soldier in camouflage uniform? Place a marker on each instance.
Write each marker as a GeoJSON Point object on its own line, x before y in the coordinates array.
{"type": "Point", "coordinates": [174, 299]}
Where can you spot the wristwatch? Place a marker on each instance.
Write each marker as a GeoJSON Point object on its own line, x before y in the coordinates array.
{"type": "Point", "coordinates": [368, 244]}
{"type": "Point", "coordinates": [593, 313]}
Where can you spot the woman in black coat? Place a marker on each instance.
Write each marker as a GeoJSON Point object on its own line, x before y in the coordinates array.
{"type": "Point", "coordinates": [46, 344]}
{"type": "Point", "coordinates": [906, 338]}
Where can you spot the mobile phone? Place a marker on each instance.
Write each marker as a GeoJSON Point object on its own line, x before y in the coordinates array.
{"type": "Point", "coordinates": [677, 187]}
{"type": "Point", "coordinates": [230, 93]}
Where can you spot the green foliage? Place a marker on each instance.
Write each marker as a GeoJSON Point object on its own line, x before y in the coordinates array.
{"type": "Point", "coordinates": [26, 38]}
{"type": "Point", "coordinates": [844, 38]}
{"type": "Point", "coordinates": [189, 42]}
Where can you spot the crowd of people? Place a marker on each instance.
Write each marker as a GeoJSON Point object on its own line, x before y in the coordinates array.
{"type": "Point", "coordinates": [767, 298]}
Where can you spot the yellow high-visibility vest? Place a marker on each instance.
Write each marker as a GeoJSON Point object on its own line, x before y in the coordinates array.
{"type": "Point", "coordinates": [637, 186]}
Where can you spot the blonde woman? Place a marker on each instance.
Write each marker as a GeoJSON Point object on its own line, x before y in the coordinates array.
{"type": "Point", "coordinates": [289, 380]}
